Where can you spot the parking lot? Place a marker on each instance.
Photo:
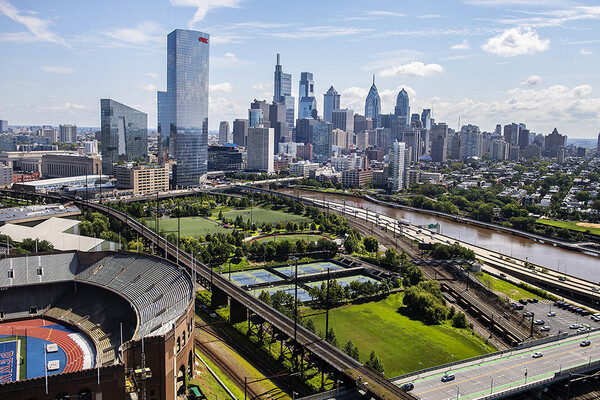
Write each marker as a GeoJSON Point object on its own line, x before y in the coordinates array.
{"type": "Point", "coordinates": [561, 322]}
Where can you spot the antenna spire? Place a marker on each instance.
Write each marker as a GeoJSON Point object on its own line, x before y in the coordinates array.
{"type": "Point", "coordinates": [373, 79]}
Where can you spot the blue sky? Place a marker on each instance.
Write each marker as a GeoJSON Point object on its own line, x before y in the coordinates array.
{"type": "Point", "coordinates": [485, 61]}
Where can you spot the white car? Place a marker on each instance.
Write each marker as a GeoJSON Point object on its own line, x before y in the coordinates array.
{"type": "Point", "coordinates": [537, 354]}
{"type": "Point", "coordinates": [544, 328]}
{"type": "Point", "coordinates": [551, 314]}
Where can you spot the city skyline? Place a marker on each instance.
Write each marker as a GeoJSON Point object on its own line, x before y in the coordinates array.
{"type": "Point", "coordinates": [488, 61]}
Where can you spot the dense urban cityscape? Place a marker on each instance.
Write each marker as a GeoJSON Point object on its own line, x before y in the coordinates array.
{"type": "Point", "coordinates": [338, 247]}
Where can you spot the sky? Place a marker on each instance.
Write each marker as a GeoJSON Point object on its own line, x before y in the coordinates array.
{"type": "Point", "coordinates": [483, 62]}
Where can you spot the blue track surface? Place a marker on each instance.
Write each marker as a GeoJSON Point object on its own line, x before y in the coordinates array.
{"type": "Point", "coordinates": [9, 364]}
{"type": "Point", "coordinates": [35, 358]}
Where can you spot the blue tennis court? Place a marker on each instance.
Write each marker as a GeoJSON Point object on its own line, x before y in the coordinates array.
{"type": "Point", "coordinates": [9, 361]}
{"type": "Point", "coordinates": [253, 277]}
{"type": "Point", "coordinates": [302, 294]}
{"type": "Point", "coordinates": [345, 281]}
{"type": "Point", "coordinates": [312, 268]}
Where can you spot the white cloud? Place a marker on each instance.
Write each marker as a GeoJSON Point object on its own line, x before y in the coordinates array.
{"type": "Point", "coordinates": [144, 32]}
{"type": "Point", "coordinates": [204, 6]}
{"type": "Point", "coordinates": [228, 60]}
{"type": "Point", "coordinates": [516, 41]}
{"type": "Point", "coordinates": [152, 75]}
{"type": "Point", "coordinates": [415, 68]}
{"type": "Point", "coordinates": [585, 52]}
{"type": "Point", "coordinates": [38, 28]}
{"type": "Point", "coordinates": [502, 3]}
{"type": "Point", "coordinates": [554, 18]}
{"type": "Point", "coordinates": [57, 69]}
{"type": "Point", "coordinates": [149, 87]}
{"type": "Point", "coordinates": [320, 32]}
{"type": "Point", "coordinates": [461, 46]}
{"type": "Point", "coordinates": [531, 80]}
{"type": "Point", "coordinates": [224, 87]}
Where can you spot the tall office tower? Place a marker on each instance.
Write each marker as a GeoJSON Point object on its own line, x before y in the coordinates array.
{"type": "Point", "coordinates": [322, 141]}
{"type": "Point", "coordinates": [223, 133]}
{"type": "Point", "coordinates": [343, 119]}
{"type": "Point", "coordinates": [260, 149]}
{"type": "Point", "coordinates": [415, 120]}
{"type": "Point", "coordinates": [307, 107]}
{"type": "Point", "coordinates": [362, 123]}
{"type": "Point", "coordinates": [455, 145]}
{"type": "Point", "coordinates": [472, 141]}
{"type": "Point", "coordinates": [67, 133]}
{"type": "Point", "coordinates": [166, 144]}
{"type": "Point", "coordinates": [283, 93]}
{"type": "Point", "coordinates": [439, 142]}
{"type": "Point", "coordinates": [373, 104]}
{"type": "Point", "coordinates": [412, 140]}
{"type": "Point", "coordinates": [402, 110]}
{"type": "Point", "coordinates": [511, 134]}
{"type": "Point", "coordinates": [426, 118]}
{"type": "Point", "coordinates": [397, 166]}
{"type": "Point", "coordinates": [256, 118]}
{"type": "Point", "coordinates": [124, 133]}
{"type": "Point", "coordinates": [3, 125]}
{"type": "Point", "coordinates": [524, 138]}
{"type": "Point", "coordinates": [304, 130]}
{"type": "Point", "coordinates": [331, 101]}
{"type": "Point", "coordinates": [362, 140]}
{"type": "Point", "coordinates": [187, 104]}
{"type": "Point", "coordinates": [384, 138]}
{"type": "Point", "coordinates": [240, 132]}
{"type": "Point", "coordinates": [498, 130]}
{"type": "Point", "coordinates": [277, 121]}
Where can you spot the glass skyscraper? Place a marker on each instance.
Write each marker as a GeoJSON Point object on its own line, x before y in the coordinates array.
{"type": "Point", "coordinates": [307, 107]}
{"type": "Point", "coordinates": [403, 109]}
{"type": "Point", "coordinates": [373, 104]}
{"type": "Point", "coordinates": [124, 133]}
{"type": "Point", "coordinates": [283, 93]}
{"type": "Point", "coordinates": [187, 104]}
{"type": "Point", "coordinates": [331, 101]}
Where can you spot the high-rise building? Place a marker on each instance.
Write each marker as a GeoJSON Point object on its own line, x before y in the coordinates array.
{"type": "Point", "coordinates": [413, 142]}
{"type": "Point", "coordinates": [283, 93]}
{"type": "Point", "coordinates": [472, 141]}
{"type": "Point", "coordinates": [343, 119]}
{"type": "Point", "coordinates": [223, 133]}
{"type": "Point", "coordinates": [124, 133]}
{"type": "Point", "coordinates": [439, 142]}
{"type": "Point", "coordinates": [373, 104]}
{"type": "Point", "coordinates": [260, 149]}
{"type": "Point", "coordinates": [331, 101]}
{"type": "Point", "coordinates": [397, 166]}
{"type": "Point", "coordinates": [3, 125]}
{"type": "Point", "coordinates": [426, 118]}
{"type": "Point", "coordinates": [67, 133]}
{"type": "Point", "coordinates": [166, 146]}
{"type": "Point", "coordinates": [511, 134]}
{"type": "Point", "coordinates": [278, 121]}
{"type": "Point", "coordinates": [304, 130]}
{"type": "Point", "coordinates": [524, 136]}
{"type": "Point", "coordinates": [240, 132]}
{"type": "Point", "coordinates": [362, 123]}
{"type": "Point", "coordinates": [553, 142]}
{"type": "Point", "coordinates": [402, 110]}
{"type": "Point", "coordinates": [415, 120]}
{"type": "Point", "coordinates": [187, 102]}
{"type": "Point", "coordinates": [308, 104]}
{"type": "Point", "coordinates": [321, 141]}
{"type": "Point", "coordinates": [256, 118]}
{"type": "Point", "coordinates": [48, 132]}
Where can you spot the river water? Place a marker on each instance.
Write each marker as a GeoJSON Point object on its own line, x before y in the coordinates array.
{"type": "Point", "coordinates": [555, 258]}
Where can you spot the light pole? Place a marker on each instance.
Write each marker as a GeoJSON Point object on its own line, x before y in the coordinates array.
{"type": "Point", "coordinates": [526, 375]}
{"type": "Point", "coordinates": [492, 385]}
{"type": "Point", "coordinates": [294, 258]}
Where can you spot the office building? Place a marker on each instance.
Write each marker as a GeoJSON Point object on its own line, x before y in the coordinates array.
{"type": "Point", "coordinates": [553, 142]}
{"type": "Point", "coordinates": [456, 146]}
{"type": "Point", "coordinates": [166, 144]}
{"type": "Point", "coordinates": [322, 141]}
{"type": "Point", "coordinates": [340, 138]}
{"type": "Point", "coordinates": [225, 158]}
{"type": "Point", "coordinates": [187, 102]}
{"type": "Point", "coordinates": [240, 132]}
{"type": "Point", "coordinates": [303, 168]}
{"type": "Point", "coordinates": [343, 119]}
{"type": "Point", "coordinates": [511, 134]}
{"type": "Point", "coordinates": [472, 141]}
{"type": "Point", "coordinates": [67, 133]}
{"type": "Point", "coordinates": [362, 123]}
{"type": "Point", "coordinates": [524, 138]}
{"type": "Point", "coordinates": [63, 165]}
{"type": "Point", "coordinates": [8, 142]}
{"type": "Point", "coordinates": [304, 130]}
{"type": "Point", "coordinates": [426, 118]}
{"type": "Point", "coordinates": [288, 148]}
{"type": "Point", "coordinates": [6, 176]}
{"type": "Point", "coordinates": [304, 151]}
{"type": "Point", "coordinates": [142, 179]}
{"type": "Point", "coordinates": [90, 147]}
{"type": "Point", "coordinates": [3, 125]}
{"type": "Point", "coordinates": [48, 132]}
{"type": "Point", "coordinates": [256, 117]}
{"type": "Point", "coordinates": [308, 104]}
{"type": "Point", "coordinates": [362, 140]}
{"type": "Point", "coordinates": [260, 149]}
{"type": "Point", "coordinates": [357, 178]}
{"type": "Point", "coordinates": [373, 104]}
{"type": "Point", "coordinates": [531, 151]}
{"type": "Point", "coordinates": [397, 167]}
{"type": "Point", "coordinates": [412, 139]}
{"type": "Point", "coordinates": [223, 133]}
{"type": "Point", "coordinates": [402, 110]}
{"type": "Point", "coordinates": [278, 121]}
{"type": "Point", "coordinates": [283, 93]}
{"type": "Point", "coordinates": [331, 101]}
{"type": "Point", "coordinates": [124, 134]}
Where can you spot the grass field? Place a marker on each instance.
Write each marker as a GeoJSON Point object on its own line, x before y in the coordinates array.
{"type": "Point", "coordinates": [263, 215]}
{"type": "Point", "coordinates": [572, 225]}
{"type": "Point", "coordinates": [502, 286]}
{"type": "Point", "coordinates": [190, 226]}
{"type": "Point", "coordinates": [401, 343]}
{"type": "Point", "coordinates": [299, 236]}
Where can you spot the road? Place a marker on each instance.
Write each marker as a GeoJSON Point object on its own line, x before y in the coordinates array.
{"type": "Point", "coordinates": [498, 373]}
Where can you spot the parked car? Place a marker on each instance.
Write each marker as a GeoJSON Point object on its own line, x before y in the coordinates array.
{"type": "Point", "coordinates": [544, 328]}
{"type": "Point", "coordinates": [562, 278]}
{"type": "Point", "coordinates": [448, 377]}
{"type": "Point", "coordinates": [527, 314]}
{"type": "Point", "coordinates": [537, 354]}
{"type": "Point", "coordinates": [522, 301]}
{"type": "Point", "coordinates": [585, 343]}
{"type": "Point", "coordinates": [534, 300]}
{"type": "Point", "coordinates": [502, 274]}
{"type": "Point", "coordinates": [539, 322]}
{"type": "Point", "coordinates": [407, 387]}
{"type": "Point", "coordinates": [551, 314]}
{"type": "Point", "coordinates": [574, 326]}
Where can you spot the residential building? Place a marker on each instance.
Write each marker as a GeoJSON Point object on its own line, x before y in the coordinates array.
{"type": "Point", "coordinates": [331, 101]}
{"type": "Point", "coordinates": [64, 165]}
{"type": "Point", "coordinates": [380, 178]}
{"type": "Point", "coordinates": [277, 121]}
{"type": "Point", "coordinates": [6, 176]}
{"type": "Point", "coordinates": [397, 166]}
{"type": "Point", "coordinates": [304, 151]}
{"type": "Point", "coordinates": [3, 125]}
{"type": "Point", "coordinates": [289, 148]}
{"type": "Point", "coordinates": [48, 132]}
{"type": "Point", "coordinates": [223, 133]}
{"type": "Point", "coordinates": [90, 147]}
{"type": "Point", "coordinates": [472, 141]}
{"type": "Point", "coordinates": [283, 93]}
{"type": "Point", "coordinates": [142, 179]}
{"type": "Point", "coordinates": [456, 146]}
{"type": "Point", "coordinates": [67, 133]}
{"type": "Point", "coordinates": [240, 132]}
{"type": "Point", "coordinates": [343, 119]}
{"type": "Point", "coordinates": [362, 140]}
{"type": "Point", "coordinates": [339, 138]}
{"type": "Point", "coordinates": [553, 142]}
{"type": "Point", "coordinates": [499, 149]}
{"type": "Point", "coordinates": [373, 104]}
{"type": "Point", "coordinates": [225, 158]}
{"type": "Point", "coordinates": [322, 141]}
{"type": "Point", "coordinates": [412, 138]}
{"type": "Point", "coordinates": [8, 142]}
{"type": "Point", "coordinates": [260, 149]}
{"type": "Point", "coordinates": [308, 104]}
{"type": "Point", "coordinates": [303, 168]}
{"type": "Point", "coordinates": [439, 142]}
{"type": "Point", "coordinates": [511, 134]}
{"type": "Point", "coordinates": [124, 134]}
{"type": "Point", "coordinates": [531, 151]}
{"type": "Point", "coordinates": [352, 161]}
{"type": "Point", "coordinates": [357, 178]}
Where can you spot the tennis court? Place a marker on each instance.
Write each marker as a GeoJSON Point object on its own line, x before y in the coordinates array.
{"type": "Point", "coordinates": [311, 268]}
{"type": "Point", "coordinates": [252, 277]}
{"type": "Point", "coordinates": [345, 281]}
{"type": "Point", "coordinates": [302, 294]}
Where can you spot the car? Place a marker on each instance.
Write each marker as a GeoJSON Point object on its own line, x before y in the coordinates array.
{"type": "Point", "coordinates": [585, 343]}
{"type": "Point", "coordinates": [594, 318]}
{"type": "Point", "coordinates": [574, 326]}
{"type": "Point", "coordinates": [551, 314]}
{"type": "Point", "coordinates": [519, 306]}
{"type": "Point", "coordinates": [530, 300]}
{"type": "Point", "coordinates": [448, 377]}
{"type": "Point", "coordinates": [562, 278]}
{"type": "Point", "coordinates": [539, 322]}
{"type": "Point", "coordinates": [595, 289]}
{"type": "Point", "coordinates": [502, 274]}
{"type": "Point", "coordinates": [407, 387]}
{"type": "Point", "coordinates": [213, 315]}
{"type": "Point", "coordinates": [557, 303]}
{"type": "Point", "coordinates": [522, 301]}
{"type": "Point", "coordinates": [585, 313]}
{"type": "Point", "coordinates": [527, 314]}
{"type": "Point", "coordinates": [537, 354]}
{"type": "Point", "coordinates": [581, 330]}
{"type": "Point", "coordinates": [534, 300]}
{"type": "Point", "coordinates": [544, 328]}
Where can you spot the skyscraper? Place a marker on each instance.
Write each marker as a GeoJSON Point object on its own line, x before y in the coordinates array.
{"type": "Point", "coordinates": [322, 141]}
{"type": "Point", "coordinates": [124, 133]}
{"type": "Point", "coordinates": [260, 149]}
{"type": "Point", "coordinates": [165, 144]}
{"type": "Point", "coordinates": [67, 133]}
{"type": "Point", "coordinates": [397, 166]}
{"type": "Point", "coordinates": [343, 119]}
{"type": "Point", "coordinates": [331, 101]}
{"type": "Point", "coordinates": [223, 133]}
{"type": "Point", "coordinates": [278, 121]}
{"type": "Point", "coordinates": [402, 110]}
{"type": "Point", "coordinates": [472, 141]}
{"type": "Point", "coordinates": [187, 103]}
{"type": "Point", "coordinates": [283, 93]}
{"type": "Point", "coordinates": [308, 104]}
{"type": "Point", "coordinates": [373, 104]}
{"type": "Point", "coordinates": [426, 118]}
{"type": "Point", "coordinates": [240, 132]}
{"type": "Point", "coordinates": [439, 142]}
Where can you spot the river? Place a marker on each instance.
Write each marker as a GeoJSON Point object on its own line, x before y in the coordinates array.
{"type": "Point", "coordinates": [565, 261]}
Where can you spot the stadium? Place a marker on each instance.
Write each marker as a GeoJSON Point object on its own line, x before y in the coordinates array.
{"type": "Point", "coordinates": [102, 325]}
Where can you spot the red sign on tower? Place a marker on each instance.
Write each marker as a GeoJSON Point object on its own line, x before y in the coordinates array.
{"type": "Point", "coordinates": [203, 40]}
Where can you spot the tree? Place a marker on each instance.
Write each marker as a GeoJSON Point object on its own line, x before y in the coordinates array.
{"type": "Point", "coordinates": [375, 363]}
{"type": "Point", "coordinates": [459, 320]}
{"type": "Point", "coordinates": [310, 325]}
{"type": "Point", "coordinates": [265, 297]}
{"type": "Point", "coordinates": [351, 350]}
{"type": "Point", "coordinates": [331, 337]}
{"type": "Point", "coordinates": [371, 244]}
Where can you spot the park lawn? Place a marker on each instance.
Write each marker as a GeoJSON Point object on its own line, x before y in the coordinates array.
{"type": "Point", "coordinates": [401, 342]}
{"type": "Point", "coordinates": [509, 289]}
{"type": "Point", "coordinates": [572, 225]}
{"type": "Point", "coordinates": [263, 215]}
{"type": "Point", "coordinates": [293, 237]}
{"type": "Point", "coordinates": [190, 226]}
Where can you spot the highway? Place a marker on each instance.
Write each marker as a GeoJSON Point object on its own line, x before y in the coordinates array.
{"type": "Point", "coordinates": [498, 373]}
